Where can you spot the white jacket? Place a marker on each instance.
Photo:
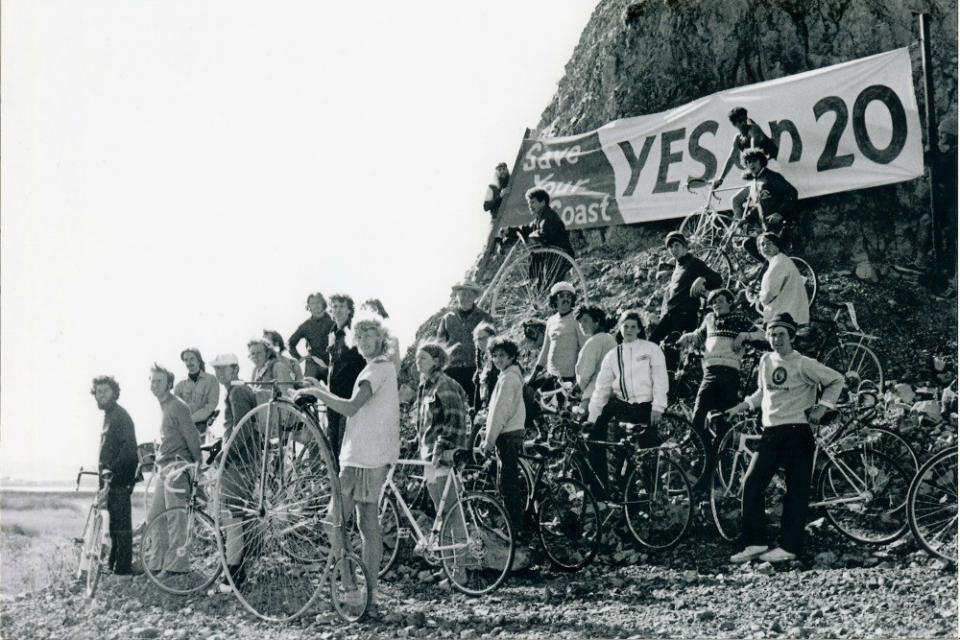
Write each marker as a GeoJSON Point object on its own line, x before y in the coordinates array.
{"type": "Point", "coordinates": [633, 372]}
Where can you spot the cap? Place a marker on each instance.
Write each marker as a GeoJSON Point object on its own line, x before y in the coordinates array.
{"type": "Point", "coordinates": [783, 320]}
{"type": "Point", "coordinates": [563, 286]}
{"type": "Point", "coordinates": [226, 359]}
{"type": "Point", "coordinates": [675, 236]}
{"type": "Point", "coordinates": [468, 285]}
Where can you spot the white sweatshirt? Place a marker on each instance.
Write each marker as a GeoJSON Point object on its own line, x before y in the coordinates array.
{"type": "Point", "coordinates": [782, 290]}
{"type": "Point", "coordinates": [633, 372]}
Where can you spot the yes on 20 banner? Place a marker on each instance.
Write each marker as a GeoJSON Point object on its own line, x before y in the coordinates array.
{"type": "Point", "coordinates": [848, 126]}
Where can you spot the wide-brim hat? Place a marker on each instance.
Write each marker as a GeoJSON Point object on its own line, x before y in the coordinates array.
{"type": "Point", "coordinates": [467, 285]}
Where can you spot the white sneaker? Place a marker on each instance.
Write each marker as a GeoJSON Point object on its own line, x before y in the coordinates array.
{"type": "Point", "coordinates": [748, 554]}
{"type": "Point", "coordinates": [778, 555]}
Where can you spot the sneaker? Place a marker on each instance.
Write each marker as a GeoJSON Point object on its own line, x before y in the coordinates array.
{"type": "Point", "coordinates": [778, 555]}
{"type": "Point", "coordinates": [748, 554]}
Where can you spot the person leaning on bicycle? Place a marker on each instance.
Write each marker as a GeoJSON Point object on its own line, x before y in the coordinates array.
{"type": "Point", "coordinates": [118, 454]}
{"type": "Point", "coordinates": [562, 341]}
{"type": "Point", "coordinates": [787, 385]}
{"type": "Point", "coordinates": [721, 336]}
{"type": "Point", "coordinates": [631, 386]}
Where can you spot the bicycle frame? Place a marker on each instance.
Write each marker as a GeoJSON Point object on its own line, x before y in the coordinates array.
{"type": "Point", "coordinates": [482, 300]}
{"type": "Point", "coordinates": [429, 544]}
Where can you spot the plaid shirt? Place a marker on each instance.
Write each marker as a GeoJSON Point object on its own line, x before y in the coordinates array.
{"type": "Point", "coordinates": [442, 419]}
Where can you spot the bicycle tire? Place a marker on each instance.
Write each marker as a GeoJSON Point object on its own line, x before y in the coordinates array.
{"type": "Point", "coordinates": [809, 276]}
{"type": "Point", "coordinates": [697, 229]}
{"type": "Point", "coordinates": [881, 517]}
{"type": "Point", "coordinates": [857, 362]}
{"type": "Point", "coordinates": [199, 547]}
{"type": "Point", "coordinates": [686, 444]}
{"type": "Point", "coordinates": [931, 502]}
{"type": "Point", "coordinates": [568, 523]}
{"type": "Point", "coordinates": [658, 501]}
{"type": "Point", "coordinates": [347, 608]}
{"type": "Point", "coordinates": [515, 296]}
{"type": "Point", "coordinates": [390, 534]}
{"type": "Point", "coordinates": [717, 260]}
{"type": "Point", "coordinates": [886, 441]}
{"type": "Point", "coordinates": [278, 488]}
{"type": "Point", "coordinates": [95, 555]}
{"type": "Point", "coordinates": [80, 543]}
{"type": "Point", "coordinates": [486, 560]}
{"type": "Point", "coordinates": [149, 488]}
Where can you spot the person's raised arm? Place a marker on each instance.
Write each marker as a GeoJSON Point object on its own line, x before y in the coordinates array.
{"type": "Point", "coordinates": [727, 165]}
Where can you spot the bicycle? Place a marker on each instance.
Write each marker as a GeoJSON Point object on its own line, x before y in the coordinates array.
{"type": "Point", "coordinates": [932, 505]}
{"type": "Point", "coordinates": [656, 500]}
{"type": "Point", "coordinates": [146, 460]}
{"type": "Point", "coordinates": [93, 547]}
{"type": "Point", "coordinates": [842, 350]}
{"type": "Point", "coordinates": [520, 287]}
{"type": "Point", "coordinates": [471, 539]}
{"type": "Point", "coordinates": [715, 237]}
{"type": "Point", "coordinates": [861, 490]}
{"type": "Point", "coordinates": [194, 553]}
{"type": "Point", "coordinates": [276, 507]}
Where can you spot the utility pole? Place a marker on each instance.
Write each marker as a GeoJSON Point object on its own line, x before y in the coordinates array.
{"type": "Point", "coordinates": [933, 154]}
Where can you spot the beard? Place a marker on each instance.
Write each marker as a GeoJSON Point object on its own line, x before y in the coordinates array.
{"type": "Point", "coordinates": [104, 405]}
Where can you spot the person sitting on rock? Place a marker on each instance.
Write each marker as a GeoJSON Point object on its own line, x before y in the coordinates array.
{"type": "Point", "coordinates": [787, 385]}
{"type": "Point", "coordinates": [690, 279]}
{"type": "Point", "coordinates": [497, 190]}
{"type": "Point", "coordinates": [749, 136]}
{"type": "Point", "coordinates": [547, 230]}
{"type": "Point", "coordinates": [782, 289]}
{"type": "Point", "coordinates": [562, 342]}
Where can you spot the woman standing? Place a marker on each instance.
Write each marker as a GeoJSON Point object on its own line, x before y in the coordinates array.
{"type": "Point", "coordinates": [593, 322]}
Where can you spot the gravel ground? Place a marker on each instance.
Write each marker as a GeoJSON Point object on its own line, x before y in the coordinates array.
{"type": "Point", "coordinates": [836, 590]}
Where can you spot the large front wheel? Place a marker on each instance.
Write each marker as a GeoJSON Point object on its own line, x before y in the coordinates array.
{"type": "Point", "coordinates": [476, 544]}
{"type": "Point", "coordinates": [523, 287]}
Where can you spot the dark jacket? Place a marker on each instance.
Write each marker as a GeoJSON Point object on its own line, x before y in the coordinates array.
{"type": "Point", "coordinates": [775, 194]}
{"type": "Point", "coordinates": [551, 231]}
{"type": "Point", "coordinates": [346, 363]}
{"type": "Point", "coordinates": [315, 331]}
{"type": "Point", "coordinates": [688, 269]}
{"type": "Point", "coordinates": [118, 446]}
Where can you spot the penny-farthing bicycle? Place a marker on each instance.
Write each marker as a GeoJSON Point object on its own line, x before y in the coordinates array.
{"type": "Point", "coordinates": [277, 505]}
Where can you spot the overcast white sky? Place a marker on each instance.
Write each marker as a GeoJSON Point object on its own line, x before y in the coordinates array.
{"type": "Point", "coordinates": [183, 173]}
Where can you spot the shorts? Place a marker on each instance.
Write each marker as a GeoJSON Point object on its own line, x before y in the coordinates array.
{"type": "Point", "coordinates": [363, 485]}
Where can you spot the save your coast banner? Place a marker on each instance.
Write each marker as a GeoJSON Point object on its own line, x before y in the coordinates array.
{"type": "Point", "coordinates": [849, 126]}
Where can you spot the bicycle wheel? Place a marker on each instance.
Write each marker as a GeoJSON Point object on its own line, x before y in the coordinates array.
{"type": "Point", "coordinates": [857, 362]}
{"type": "Point", "coordinates": [476, 544]}
{"type": "Point", "coordinates": [726, 489]}
{"type": "Point", "coordinates": [810, 282]}
{"type": "Point", "coordinates": [277, 506]}
{"type": "Point", "coordinates": [932, 505]}
{"type": "Point", "coordinates": [886, 441]}
{"type": "Point", "coordinates": [190, 566]}
{"type": "Point", "coordinates": [658, 501]}
{"type": "Point", "coordinates": [94, 553]}
{"type": "Point", "coordinates": [704, 227]}
{"type": "Point", "coordinates": [350, 590]}
{"type": "Point", "coordinates": [716, 260]}
{"type": "Point", "coordinates": [390, 533]}
{"type": "Point", "coordinates": [864, 495]}
{"type": "Point", "coordinates": [80, 544]}
{"type": "Point", "coordinates": [685, 444]}
{"type": "Point", "coordinates": [522, 290]}
{"type": "Point", "coordinates": [568, 523]}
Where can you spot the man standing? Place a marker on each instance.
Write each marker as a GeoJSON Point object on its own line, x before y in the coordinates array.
{"type": "Point", "coordinates": [240, 400]}
{"type": "Point", "coordinates": [118, 454]}
{"type": "Point", "coordinates": [690, 279]}
{"type": "Point", "coordinates": [346, 363]}
{"type": "Point", "coordinates": [199, 389]}
{"type": "Point", "coordinates": [787, 385]}
{"type": "Point", "coordinates": [316, 331]}
{"type": "Point", "coordinates": [749, 136]}
{"type": "Point", "coordinates": [456, 329]}
{"type": "Point", "coordinates": [179, 445]}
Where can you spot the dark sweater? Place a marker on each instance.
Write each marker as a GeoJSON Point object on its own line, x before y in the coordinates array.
{"type": "Point", "coordinates": [688, 269]}
{"type": "Point", "coordinates": [315, 331]}
{"type": "Point", "coordinates": [118, 445]}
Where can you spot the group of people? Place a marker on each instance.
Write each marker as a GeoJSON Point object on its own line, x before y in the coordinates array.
{"type": "Point", "coordinates": [470, 378]}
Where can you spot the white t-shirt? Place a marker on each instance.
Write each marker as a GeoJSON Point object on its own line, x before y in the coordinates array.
{"type": "Point", "coordinates": [372, 436]}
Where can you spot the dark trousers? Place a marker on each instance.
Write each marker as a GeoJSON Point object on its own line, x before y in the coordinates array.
{"type": "Point", "coordinates": [791, 447]}
{"type": "Point", "coordinates": [675, 320]}
{"type": "Point", "coordinates": [336, 424]}
{"type": "Point", "coordinates": [509, 447]}
{"type": "Point", "coordinates": [464, 376]}
{"type": "Point", "coordinates": [719, 390]}
{"type": "Point", "coordinates": [615, 409]}
{"type": "Point", "coordinates": [121, 528]}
